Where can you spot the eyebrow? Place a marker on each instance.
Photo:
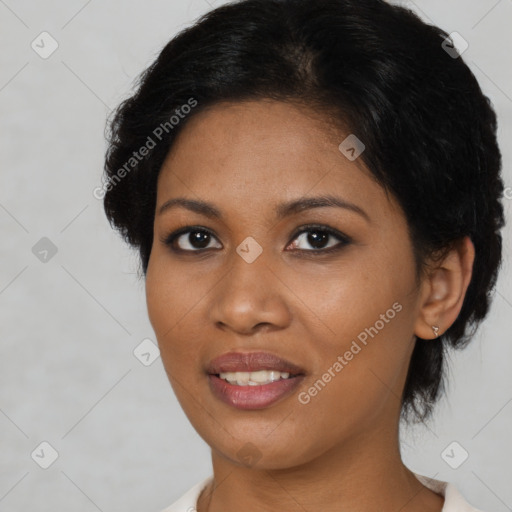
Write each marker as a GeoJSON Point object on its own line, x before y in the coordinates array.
{"type": "Point", "coordinates": [282, 210]}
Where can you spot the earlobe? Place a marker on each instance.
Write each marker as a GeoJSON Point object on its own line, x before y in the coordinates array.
{"type": "Point", "coordinates": [443, 290]}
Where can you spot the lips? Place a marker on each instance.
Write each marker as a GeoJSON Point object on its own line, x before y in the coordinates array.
{"type": "Point", "coordinates": [252, 396]}
{"type": "Point", "coordinates": [251, 362]}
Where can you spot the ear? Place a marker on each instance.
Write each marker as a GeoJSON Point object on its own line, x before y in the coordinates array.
{"type": "Point", "coordinates": [443, 289]}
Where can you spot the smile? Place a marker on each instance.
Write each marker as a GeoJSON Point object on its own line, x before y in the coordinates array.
{"type": "Point", "coordinates": [252, 380]}
{"type": "Point", "coordinates": [253, 395]}
{"type": "Point", "coordinates": [258, 378]}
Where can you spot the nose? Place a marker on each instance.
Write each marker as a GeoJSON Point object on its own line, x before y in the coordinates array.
{"type": "Point", "coordinates": [250, 298]}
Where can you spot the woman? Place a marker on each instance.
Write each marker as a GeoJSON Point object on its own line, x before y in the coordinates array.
{"type": "Point", "coordinates": [314, 191]}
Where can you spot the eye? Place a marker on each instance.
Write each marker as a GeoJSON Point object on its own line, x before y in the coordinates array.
{"type": "Point", "coordinates": [197, 239]}
{"type": "Point", "coordinates": [318, 238]}
{"type": "Point", "coordinates": [190, 239]}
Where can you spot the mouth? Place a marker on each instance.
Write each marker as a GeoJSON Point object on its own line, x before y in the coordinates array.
{"type": "Point", "coordinates": [257, 378]}
{"type": "Point", "coordinates": [253, 380]}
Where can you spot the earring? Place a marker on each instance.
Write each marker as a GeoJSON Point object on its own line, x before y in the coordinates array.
{"type": "Point", "coordinates": [435, 328]}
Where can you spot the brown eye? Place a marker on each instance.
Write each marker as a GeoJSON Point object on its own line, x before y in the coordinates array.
{"type": "Point", "coordinates": [190, 239]}
{"type": "Point", "coordinates": [320, 239]}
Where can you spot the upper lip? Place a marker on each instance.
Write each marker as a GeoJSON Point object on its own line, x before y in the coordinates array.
{"type": "Point", "coordinates": [251, 362]}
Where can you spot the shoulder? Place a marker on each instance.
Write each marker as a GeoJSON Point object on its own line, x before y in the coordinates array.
{"type": "Point", "coordinates": [187, 502]}
{"type": "Point", "coordinates": [454, 501]}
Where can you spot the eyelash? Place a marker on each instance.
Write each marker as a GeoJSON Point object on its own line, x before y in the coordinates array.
{"type": "Point", "coordinates": [343, 239]}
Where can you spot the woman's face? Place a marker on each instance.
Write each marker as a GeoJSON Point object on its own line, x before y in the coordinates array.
{"type": "Point", "coordinates": [340, 307]}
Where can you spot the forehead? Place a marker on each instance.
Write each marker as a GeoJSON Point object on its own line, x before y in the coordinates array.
{"type": "Point", "coordinates": [250, 153]}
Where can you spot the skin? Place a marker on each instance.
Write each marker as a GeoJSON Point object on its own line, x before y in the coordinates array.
{"type": "Point", "coordinates": [340, 451]}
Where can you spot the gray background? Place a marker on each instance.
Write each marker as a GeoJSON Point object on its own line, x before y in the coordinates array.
{"type": "Point", "coordinates": [69, 326]}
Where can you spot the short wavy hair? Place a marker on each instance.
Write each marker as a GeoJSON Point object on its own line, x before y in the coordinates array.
{"type": "Point", "coordinates": [366, 65]}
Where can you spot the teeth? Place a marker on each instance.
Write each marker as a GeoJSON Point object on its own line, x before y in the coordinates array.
{"type": "Point", "coordinates": [253, 378]}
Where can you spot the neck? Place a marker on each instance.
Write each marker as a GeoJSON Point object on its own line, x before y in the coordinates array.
{"type": "Point", "coordinates": [358, 475]}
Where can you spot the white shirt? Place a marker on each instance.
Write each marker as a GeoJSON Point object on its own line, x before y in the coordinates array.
{"type": "Point", "coordinates": [453, 500]}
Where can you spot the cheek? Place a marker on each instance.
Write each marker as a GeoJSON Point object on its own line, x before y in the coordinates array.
{"type": "Point", "coordinates": [174, 301]}
{"type": "Point", "coordinates": [158, 298]}
{"type": "Point", "coordinates": [358, 383]}
{"type": "Point", "coordinates": [364, 315]}
{"type": "Point", "coordinates": [340, 302]}
{"type": "Point", "coordinates": [166, 306]}
{"type": "Point", "coordinates": [171, 294]}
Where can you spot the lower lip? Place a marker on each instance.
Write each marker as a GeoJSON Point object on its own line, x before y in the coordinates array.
{"type": "Point", "coordinates": [252, 397]}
